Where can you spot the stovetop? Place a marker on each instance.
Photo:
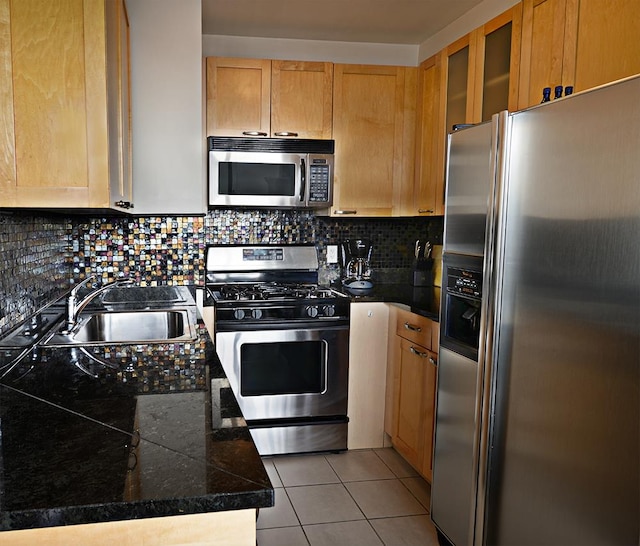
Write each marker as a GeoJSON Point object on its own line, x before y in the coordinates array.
{"type": "Point", "coordinates": [272, 291]}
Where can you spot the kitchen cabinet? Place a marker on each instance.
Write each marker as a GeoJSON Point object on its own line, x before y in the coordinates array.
{"type": "Point", "coordinates": [579, 43]}
{"type": "Point", "coordinates": [497, 64]}
{"type": "Point", "coordinates": [64, 104]}
{"type": "Point", "coordinates": [374, 128]}
{"type": "Point", "coordinates": [260, 97]}
{"type": "Point", "coordinates": [428, 193]}
{"type": "Point", "coordinates": [411, 387]}
{"type": "Point", "coordinates": [367, 374]}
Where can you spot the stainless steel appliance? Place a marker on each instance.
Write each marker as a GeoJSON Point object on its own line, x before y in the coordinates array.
{"type": "Point", "coordinates": [270, 172]}
{"type": "Point", "coordinates": [283, 341]}
{"type": "Point", "coordinates": [537, 440]}
{"type": "Point", "coordinates": [356, 271]}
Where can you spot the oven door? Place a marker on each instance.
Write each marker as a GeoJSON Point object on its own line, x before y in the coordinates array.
{"type": "Point", "coordinates": [289, 373]}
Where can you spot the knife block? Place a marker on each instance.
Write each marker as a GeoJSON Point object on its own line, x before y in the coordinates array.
{"type": "Point", "coordinates": [422, 273]}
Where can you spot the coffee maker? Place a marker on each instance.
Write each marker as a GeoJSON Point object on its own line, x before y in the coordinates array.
{"type": "Point", "coordinates": [356, 265]}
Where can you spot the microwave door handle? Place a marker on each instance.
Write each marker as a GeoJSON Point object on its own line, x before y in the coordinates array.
{"type": "Point", "coordinates": [303, 178]}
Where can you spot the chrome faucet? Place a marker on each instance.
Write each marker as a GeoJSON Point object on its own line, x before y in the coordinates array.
{"type": "Point", "coordinates": [75, 307]}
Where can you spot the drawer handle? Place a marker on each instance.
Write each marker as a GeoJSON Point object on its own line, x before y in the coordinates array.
{"type": "Point", "coordinates": [412, 327]}
{"type": "Point", "coordinates": [433, 361]}
{"type": "Point", "coordinates": [345, 212]}
{"type": "Point", "coordinates": [286, 134]}
{"type": "Point", "coordinates": [418, 353]}
{"type": "Point", "coordinates": [422, 211]}
{"type": "Point", "coordinates": [254, 133]}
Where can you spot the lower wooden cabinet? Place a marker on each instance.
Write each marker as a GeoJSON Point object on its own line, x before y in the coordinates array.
{"type": "Point", "coordinates": [411, 387]}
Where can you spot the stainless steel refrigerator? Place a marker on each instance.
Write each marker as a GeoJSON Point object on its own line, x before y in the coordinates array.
{"type": "Point", "coordinates": [537, 435]}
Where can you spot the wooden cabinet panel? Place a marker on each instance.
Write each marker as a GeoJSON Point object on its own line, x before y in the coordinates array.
{"type": "Point", "coordinates": [259, 97]}
{"type": "Point", "coordinates": [301, 99]}
{"type": "Point", "coordinates": [608, 42]}
{"type": "Point", "coordinates": [428, 198]}
{"type": "Point", "coordinates": [374, 130]}
{"type": "Point", "coordinates": [542, 53]}
{"type": "Point", "coordinates": [55, 105]}
{"type": "Point", "coordinates": [367, 374]}
{"type": "Point", "coordinates": [497, 65]}
{"type": "Point", "coordinates": [411, 387]}
{"type": "Point", "coordinates": [415, 406]}
{"type": "Point", "coordinates": [238, 96]}
{"type": "Point", "coordinates": [413, 327]}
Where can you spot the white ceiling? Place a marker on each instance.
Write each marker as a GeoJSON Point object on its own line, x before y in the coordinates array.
{"type": "Point", "coordinates": [373, 21]}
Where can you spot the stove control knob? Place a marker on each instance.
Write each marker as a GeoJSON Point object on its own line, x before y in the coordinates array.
{"type": "Point", "coordinates": [328, 310]}
{"type": "Point", "coordinates": [312, 311]}
{"type": "Point", "coordinates": [256, 314]}
{"type": "Point", "coordinates": [238, 314]}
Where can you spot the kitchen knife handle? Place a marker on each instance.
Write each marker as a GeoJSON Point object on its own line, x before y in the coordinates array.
{"type": "Point", "coordinates": [412, 327]}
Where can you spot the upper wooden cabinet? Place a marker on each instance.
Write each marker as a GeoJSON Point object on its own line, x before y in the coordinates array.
{"type": "Point", "coordinates": [257, 97]}
{"type": "Point", "coordinates": [302, 99]}
{"type": "Point", "coordinates": [64, 104]}
{"type": "Point", "coordinates": [428, 196]}
{"type": "Point", "coordinates": [497, 65]}
{"type": "Point", "coordinates": [579, 43]}
{"type": "Point", "coordinates": [374, 129]}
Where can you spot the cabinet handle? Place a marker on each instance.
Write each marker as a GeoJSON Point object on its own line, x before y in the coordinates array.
{"type": "Point", "coordinates": [254, 133]}
{"type": "Point", "coordinates": [433, 361]}
{"type": "Point", "coordinates": [345, 212]}
{"type": "Point", "coordinates": [422, 211]}
{"type": "Point", "coordinates": [412, 327]}
{"type": "Point", "coordinates": [124, 204]}
{"type": "Point", "coordinates": [286, 133]}
{"type": "Point", "coordinates": [418, 353]}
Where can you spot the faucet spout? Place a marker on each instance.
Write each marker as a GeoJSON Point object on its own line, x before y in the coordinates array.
{"type": "Point", "coordinates": [75, 307]}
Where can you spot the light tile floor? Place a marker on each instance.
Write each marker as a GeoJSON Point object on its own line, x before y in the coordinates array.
{"type": "Point", "coordinates": [361, 497]}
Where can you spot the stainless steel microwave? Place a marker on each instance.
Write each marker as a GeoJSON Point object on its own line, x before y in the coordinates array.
{"type": "Point", "coordinates": [270, 172]}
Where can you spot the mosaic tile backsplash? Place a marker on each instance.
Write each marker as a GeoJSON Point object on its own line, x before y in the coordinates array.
{"type": "Point", "coordinates": [41, 256]}
{"type": "Point", "coordinates": [34, 264]}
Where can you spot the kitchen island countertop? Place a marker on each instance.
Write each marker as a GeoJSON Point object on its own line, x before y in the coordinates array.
{"type": "Point", "coordinates": [121, 432]}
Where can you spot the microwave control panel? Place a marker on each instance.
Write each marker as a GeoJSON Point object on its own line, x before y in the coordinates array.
{"type": "Point", "coordinates": [319, 181]}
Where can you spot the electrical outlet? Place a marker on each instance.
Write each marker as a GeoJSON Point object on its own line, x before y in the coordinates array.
{"type": "Point", "coordinates": [332, 254]}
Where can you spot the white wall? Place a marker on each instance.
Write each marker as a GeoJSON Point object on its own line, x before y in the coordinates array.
{"type": "Point", "coordinates": [351, 52]}
{"type": "Point", "coordinates": [167, 107]}
{"type": "Point", "coordinates": [309, 50]}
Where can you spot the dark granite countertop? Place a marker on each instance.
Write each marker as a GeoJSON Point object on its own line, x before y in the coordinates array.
{"type": "Point", "coordinates": [397, 288]}
{"type": "Point", "coordinates": [118, 432]}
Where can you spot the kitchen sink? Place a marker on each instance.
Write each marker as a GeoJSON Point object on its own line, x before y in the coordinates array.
{"type": "Point", "coordinates": [129, 327]}
{"type": "Point", "coordinates": [144, 294]}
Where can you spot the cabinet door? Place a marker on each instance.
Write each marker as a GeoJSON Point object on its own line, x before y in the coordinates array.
{"type": "Point", "coordinates": [119, 93]}
{"type": "Point", "coordinates": [54, 61]}
{"type": "Point", "coordinates": [608, 42]}
{"type": "Point", "coordinates": [238, 96]}
{"type": "Point", "coordinates": [429, 177]}
{"type": "Point", "coordinates": [415, 406]}
{"type": "Point", "coordinates": [374, 130]}
{"type": "Point", "coordinates": [457, 79]}
{"type": "Point", "coordinates": [497, 65]}
{"type": "Point", "coordinates": [301, 99]}
{"type": "Point", "coordinates": [542, 53]}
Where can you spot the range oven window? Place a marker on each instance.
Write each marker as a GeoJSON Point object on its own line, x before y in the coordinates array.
{"type": "Point", "coordinates": [296, 367]}
{"type": "Point", "coordinates": [256, 179]}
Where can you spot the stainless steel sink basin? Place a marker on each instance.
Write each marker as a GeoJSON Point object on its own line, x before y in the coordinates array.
{"type": "Point", "coordinates": [130, 327]}
{"type": "Point", "coordinates": [145, 294]}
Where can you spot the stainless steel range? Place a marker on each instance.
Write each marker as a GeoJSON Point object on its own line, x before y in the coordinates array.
{"type": "Point", "coordinates": [283, 341]}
